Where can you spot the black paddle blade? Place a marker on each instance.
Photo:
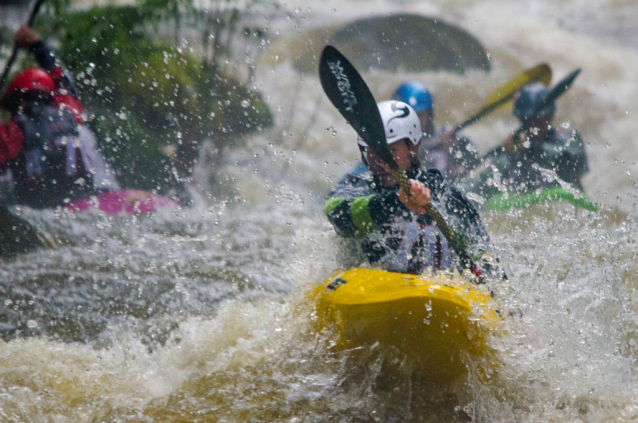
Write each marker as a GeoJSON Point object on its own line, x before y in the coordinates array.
{"type": "Point", "coordinates": [349, 93]}
{"type": "Point", "coordinates": [558, 90]}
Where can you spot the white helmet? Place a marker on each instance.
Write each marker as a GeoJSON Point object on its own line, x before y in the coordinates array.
{"type": "Point", "coordinates": [400, 122]}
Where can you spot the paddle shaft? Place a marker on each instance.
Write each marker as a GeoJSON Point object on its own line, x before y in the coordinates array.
{"type": "Point", "coordinates": [483, 112]}
{"type": "Point", "coordinates": [14, 52]}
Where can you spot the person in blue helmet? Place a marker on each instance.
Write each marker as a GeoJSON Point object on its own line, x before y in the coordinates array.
{"type": "Point", "coordinates": [538, 156]}
{"type": "Point", "coordinates": [444, 150]}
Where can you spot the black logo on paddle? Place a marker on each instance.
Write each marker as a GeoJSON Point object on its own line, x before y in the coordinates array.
{"type": "Point", "coordinates": [332, 286]}
{"type": "Point", "coordinates": [343, 84]}
{"type": "Point", "coordinates": [405, 110]}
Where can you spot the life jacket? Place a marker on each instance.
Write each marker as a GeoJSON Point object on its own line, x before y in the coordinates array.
{"type": "Point", "coordinates": [410, 247]}
{"type": "Point", "coordinates": [59, 162]}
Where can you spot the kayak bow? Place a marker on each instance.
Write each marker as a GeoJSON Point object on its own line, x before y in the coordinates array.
{"type": "Point", "coordinates": [430, 319]}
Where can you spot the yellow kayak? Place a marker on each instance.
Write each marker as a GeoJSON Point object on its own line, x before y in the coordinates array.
{"type": "Point", "coordinates": [432, 319]}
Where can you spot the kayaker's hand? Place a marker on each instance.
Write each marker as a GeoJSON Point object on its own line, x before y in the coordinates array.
{"type": "Point", "coordinates": [25, 37]}
{"type": "Point", "coordinates": [419, 197]}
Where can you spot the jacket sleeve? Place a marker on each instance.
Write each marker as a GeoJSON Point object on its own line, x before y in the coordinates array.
{"type": "Point", "coordinates": [355, 210]}
{"type": "Point", "coordinates": [11, 142]}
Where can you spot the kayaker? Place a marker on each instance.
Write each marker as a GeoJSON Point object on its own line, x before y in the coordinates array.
{"type": "Point", "coordinates": [444, 150]}
{"type": "Point", "coordinates": [538, 156]}
{"type": "Point", "coordinates": [392, 227]}
{"type": "Point", "coordinates": [48, 152]}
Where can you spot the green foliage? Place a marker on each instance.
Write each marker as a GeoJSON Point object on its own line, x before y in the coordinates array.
{"type": "Point", "coordinates": [146, 95]}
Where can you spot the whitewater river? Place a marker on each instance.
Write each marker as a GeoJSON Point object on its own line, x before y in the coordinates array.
{"type": "Point", "coordinates": [199, 314]}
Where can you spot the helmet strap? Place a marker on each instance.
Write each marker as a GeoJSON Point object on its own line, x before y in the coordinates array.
{"type": "Point", "coordinates": [364, 156]}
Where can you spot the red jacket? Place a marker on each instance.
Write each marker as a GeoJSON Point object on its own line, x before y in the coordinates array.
{"type": "Point", "coordinates": [11, 136]}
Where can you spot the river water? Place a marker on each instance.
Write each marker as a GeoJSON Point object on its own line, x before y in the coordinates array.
{"type": "Point", "coordinates": [200, 314]}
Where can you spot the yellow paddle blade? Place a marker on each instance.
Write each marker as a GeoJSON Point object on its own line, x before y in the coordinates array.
{"type": "Point", "coordinates": [540, 73]}
{"type": "Point", "coordinates": [505, 93]}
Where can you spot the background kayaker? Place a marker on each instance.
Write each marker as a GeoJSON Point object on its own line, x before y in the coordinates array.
{"type": "Point", "coordinates": [444, 150]}
{"type": "Point", "coordinates": [535, 157]}
{"type": "Point", "coordinates": [46, 150]}
{"type": "Point", "coordinates": [394, 231]}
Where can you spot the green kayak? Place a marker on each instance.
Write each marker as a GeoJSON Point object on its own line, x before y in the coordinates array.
{"type": "Point", "coordinates": [502, 201]}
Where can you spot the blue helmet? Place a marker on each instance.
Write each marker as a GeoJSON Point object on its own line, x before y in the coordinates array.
{"type": "Point", "coordinates": [415, 94]}
{"type": "Point", "coordinates": [528, 98]}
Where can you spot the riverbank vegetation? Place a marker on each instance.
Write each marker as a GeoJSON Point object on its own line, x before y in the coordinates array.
{"type": "Point", "coordinates": [154, 96]}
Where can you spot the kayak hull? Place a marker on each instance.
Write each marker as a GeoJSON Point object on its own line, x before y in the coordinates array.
{"type": "Point", "coordinates": [127, 201]}
{"type": "Point", "coordinates": [437, 325]}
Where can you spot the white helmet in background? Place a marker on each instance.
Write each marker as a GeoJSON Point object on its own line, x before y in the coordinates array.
{"type": "Point", "coordinates": [400, 122]}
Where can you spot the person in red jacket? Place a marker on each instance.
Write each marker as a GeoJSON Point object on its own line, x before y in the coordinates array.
{"type": "Point", "coordinates": [50, 155]}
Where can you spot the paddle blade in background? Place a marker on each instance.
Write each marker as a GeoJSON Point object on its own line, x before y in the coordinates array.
{"type": "Point", "coordinates": [349, 93]}
{"type": "Point", "coordinates": [505, 93]}
{"type": "Point", "coordinates": [406, 42]}
{"type": "Point", "coordinates": [541, 73]}
{"type": "Point", "coordinates": [411, 43]}
{"type": "Point", "coordinates": [559, 89]}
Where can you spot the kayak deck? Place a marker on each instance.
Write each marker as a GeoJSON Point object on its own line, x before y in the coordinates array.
{"type": "Point", "coordinates": [127, 201]}
{"type": "Point", "coordinates": [434, 324]}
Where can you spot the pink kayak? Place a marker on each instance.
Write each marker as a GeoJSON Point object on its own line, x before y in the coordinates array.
{"type": "Point", "coordinates": [129, 201]}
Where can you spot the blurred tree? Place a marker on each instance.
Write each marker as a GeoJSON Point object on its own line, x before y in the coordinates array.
{"type": "Point", "coordinates": [152, 104]}
{"type": "Point", "coordinates": [160, 11]}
